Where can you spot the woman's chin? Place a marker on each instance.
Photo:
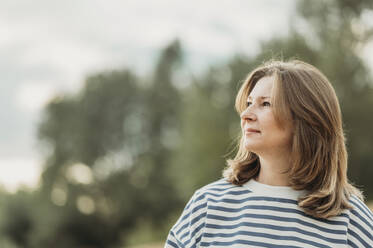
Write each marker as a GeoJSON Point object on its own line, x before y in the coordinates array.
{"type": "Point", "coordinates": [250, 146]}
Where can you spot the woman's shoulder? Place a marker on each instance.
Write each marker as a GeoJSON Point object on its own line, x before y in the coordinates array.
{"type": "Point", "coordinates": [360, 210]}
{"type": "Point", "coordinates": [219, 187]}
{"type": "Point", "coordinates": [360, 223]}
{"type": "Point", "coordinates": [210, 192]}
{"type": "Point", "coordinates": [359, 205]}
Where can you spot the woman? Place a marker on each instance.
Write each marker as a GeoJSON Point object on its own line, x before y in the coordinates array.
{"type": "Point", "coordinates": [287, 185]}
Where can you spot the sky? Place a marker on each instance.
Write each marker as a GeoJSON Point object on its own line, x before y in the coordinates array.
{"type": "Point", "coordinates": [50, 46]}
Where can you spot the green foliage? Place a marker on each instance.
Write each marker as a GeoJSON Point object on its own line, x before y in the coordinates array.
{"type": "Point", "coordinates": [17, 220]}
{"type": "Point", "coordinates": [209, 124]}
{"type": "Point", "coordinates": [116, 128]}
{"type": "Point", "coordinates": [126, 152]}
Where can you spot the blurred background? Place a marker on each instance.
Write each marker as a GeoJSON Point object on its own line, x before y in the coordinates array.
{"type": "Point", "coordinates": [115, 112]}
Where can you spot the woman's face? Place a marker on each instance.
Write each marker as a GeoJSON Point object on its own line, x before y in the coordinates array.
{"type": "Point", "coordinates": [261, 132]}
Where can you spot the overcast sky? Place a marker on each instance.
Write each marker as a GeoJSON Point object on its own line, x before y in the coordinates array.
{"type": "Point", "coordinates": [48, 46]}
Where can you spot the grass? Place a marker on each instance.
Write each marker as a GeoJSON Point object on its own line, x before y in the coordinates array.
{"type": "Point", "coordinates": [150, 245]}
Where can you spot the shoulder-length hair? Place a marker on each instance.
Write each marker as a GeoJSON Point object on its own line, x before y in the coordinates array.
{"type": "Point", "coordinates": [305, 97]}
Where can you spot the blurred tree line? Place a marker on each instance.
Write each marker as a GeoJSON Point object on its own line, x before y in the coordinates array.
{"type": "Point", "coordinates": [124, 154]}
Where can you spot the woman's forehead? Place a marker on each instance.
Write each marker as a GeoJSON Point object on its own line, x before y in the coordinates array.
{"type": "Point", "coordinates": [262, 88]}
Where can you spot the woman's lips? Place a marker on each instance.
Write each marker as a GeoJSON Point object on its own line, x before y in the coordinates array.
{"type": "Point", "coordinates": [251, 131]}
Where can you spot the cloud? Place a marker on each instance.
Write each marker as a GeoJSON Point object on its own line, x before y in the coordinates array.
{"type": "Point", "coordinates": [50, 46]}
{"type": "Point", "coordinates": [19, 171]}
{"type": "Point", "coordinates": [119, 31]}
{"type": "Point", "coordinates": [32, 96]}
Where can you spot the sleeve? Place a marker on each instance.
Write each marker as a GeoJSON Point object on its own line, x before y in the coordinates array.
{"type": "Point", "coordinates": [360, 226]}
{"type": "Point", "coordinates": [188, 230]}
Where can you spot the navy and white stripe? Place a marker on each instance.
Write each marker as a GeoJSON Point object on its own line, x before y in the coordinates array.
{"type": "Point", "coordinates": [256, 215]}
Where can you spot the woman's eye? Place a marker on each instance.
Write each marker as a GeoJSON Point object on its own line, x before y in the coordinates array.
{"type": "Point", "coordinates": [248, 104]}
{"type": "Point", "coordinates": [266, 104]}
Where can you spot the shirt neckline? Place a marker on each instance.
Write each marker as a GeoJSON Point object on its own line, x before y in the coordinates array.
{"type": "Point", "coordinates": [273, 191]}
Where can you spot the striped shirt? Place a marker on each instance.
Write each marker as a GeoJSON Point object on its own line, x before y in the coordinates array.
{"type": "Point", "coordinates": [257, 215]}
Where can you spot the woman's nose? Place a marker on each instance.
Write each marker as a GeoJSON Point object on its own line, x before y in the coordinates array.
{"type": "Point", "coordinates": [247, 114]}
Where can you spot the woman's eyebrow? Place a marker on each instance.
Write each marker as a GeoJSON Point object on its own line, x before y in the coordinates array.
{"type": "Point", "coordinates": [261, 97]}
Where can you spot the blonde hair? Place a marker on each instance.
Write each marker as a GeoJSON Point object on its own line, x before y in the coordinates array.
{"type": "Point", "coordinates": [305, 97]}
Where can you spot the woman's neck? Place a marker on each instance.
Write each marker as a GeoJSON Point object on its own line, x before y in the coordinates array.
{"type": "Point", "coordinates": [273, 170]}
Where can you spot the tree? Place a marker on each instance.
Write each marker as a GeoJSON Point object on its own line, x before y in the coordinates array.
{"type": "Point", "coordinates": [114, 129]}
